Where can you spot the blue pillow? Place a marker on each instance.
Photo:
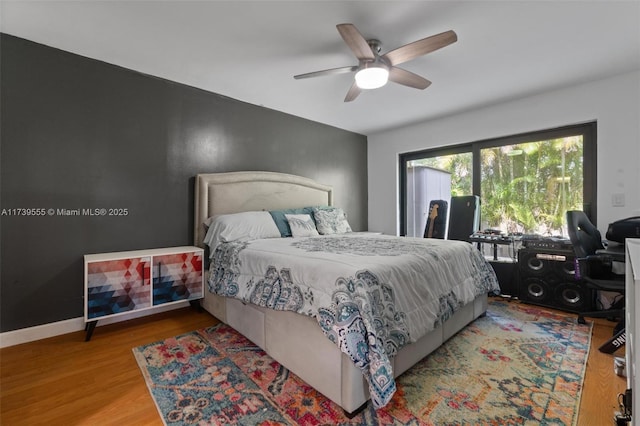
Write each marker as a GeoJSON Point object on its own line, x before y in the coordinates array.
{"type": "Point", "coordinates": [281, 221]}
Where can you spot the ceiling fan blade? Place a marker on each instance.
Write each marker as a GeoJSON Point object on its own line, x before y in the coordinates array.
{"type": "Point", "coordinates": [407, 78]}
{"type": "Point", "coordinates": [332, 71]}
{"type": "Point", "coordinates": [420, 47]}
{"type": "Point", "coordinates": [355, 41]}
{"type": "Point", "coordinates": [353, 92]}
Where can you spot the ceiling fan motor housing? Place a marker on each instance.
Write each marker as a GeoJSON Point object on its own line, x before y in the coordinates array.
{"type": "Point", "coordinates": [375, 45]}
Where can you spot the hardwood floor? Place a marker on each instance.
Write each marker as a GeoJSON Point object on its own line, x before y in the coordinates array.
{"type": "Point", "coordinates": [66, 381]}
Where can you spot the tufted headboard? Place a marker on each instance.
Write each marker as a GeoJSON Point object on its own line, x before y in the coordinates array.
{"type": "Point", "coordinates": [234, 192]}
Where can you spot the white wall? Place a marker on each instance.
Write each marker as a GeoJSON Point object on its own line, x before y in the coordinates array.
{"type": "Point", "coordinates": [613, 102]}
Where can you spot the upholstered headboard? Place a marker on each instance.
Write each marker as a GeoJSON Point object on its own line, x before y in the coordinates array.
{"type": "Point", "coordinates": [234, 192]}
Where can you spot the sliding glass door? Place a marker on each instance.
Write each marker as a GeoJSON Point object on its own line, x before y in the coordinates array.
{"type": "Point", "coordinates": [526, 182]}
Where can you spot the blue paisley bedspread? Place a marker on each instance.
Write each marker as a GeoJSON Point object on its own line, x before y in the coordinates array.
{"type": "Point", "coordinates": [371, 294]}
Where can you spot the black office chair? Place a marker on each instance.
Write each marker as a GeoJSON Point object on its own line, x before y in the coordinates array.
{"type": "Point", "coordinates": [595, 269]}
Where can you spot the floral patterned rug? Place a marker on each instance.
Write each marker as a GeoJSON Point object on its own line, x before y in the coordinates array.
{"type": "Point", "coordinates": [518, 365]}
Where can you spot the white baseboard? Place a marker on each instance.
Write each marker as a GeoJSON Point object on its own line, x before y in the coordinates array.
{"type": "Point", "coordinates": [30, 334]}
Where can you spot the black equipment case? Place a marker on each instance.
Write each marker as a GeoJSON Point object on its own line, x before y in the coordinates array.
{"type": "Point", "coordinates": [619, 230]}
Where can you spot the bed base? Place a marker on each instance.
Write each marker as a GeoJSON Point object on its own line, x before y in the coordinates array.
{"type": "Point", "coordinates": [298, 343]}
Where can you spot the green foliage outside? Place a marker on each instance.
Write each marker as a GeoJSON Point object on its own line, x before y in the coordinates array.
{"type": "Point", "coordinates": [526, 187]}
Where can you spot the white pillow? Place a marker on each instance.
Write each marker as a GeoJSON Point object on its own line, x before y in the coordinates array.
{"type": "Point", "coordinates": [301, 225]}
{"type": "Point", "coordinates": [331, 220]}
{"type": "Point", "coordinates": [243, 226]}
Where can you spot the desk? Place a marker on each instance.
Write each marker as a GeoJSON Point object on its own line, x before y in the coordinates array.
{"type": "Point", "coordinates": [495, 240]}
{"type": "Point", "coordinates": [505, 268]}
{"type": "Point", "coordinates": [632, 322]}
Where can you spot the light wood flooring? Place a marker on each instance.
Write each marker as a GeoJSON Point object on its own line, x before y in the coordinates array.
{"type": "Point", "coordinates": [66, 381]}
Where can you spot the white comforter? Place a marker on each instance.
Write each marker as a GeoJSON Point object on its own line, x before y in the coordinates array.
{"type": "Point", "coordinates": [370, 293]}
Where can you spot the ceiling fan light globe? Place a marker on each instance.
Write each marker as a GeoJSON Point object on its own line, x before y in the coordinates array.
{"type": "Point", "coordinates": [372, 77]}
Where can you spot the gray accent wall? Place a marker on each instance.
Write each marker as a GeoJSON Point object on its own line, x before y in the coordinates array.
{"type": "Point", "coordinates": [77, 133]}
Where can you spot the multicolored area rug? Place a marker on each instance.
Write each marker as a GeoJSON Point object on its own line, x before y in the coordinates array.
{"type": "Point", "coordinates": [517, 365]}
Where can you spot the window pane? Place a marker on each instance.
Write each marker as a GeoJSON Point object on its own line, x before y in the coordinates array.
{"type": "Point", "coordinates": [434, 178]}
{"type": "Point", "coordinates": [529, 186]}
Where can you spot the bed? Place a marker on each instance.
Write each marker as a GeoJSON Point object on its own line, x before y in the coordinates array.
{"type": "Point", "coordinates": [329, 356]}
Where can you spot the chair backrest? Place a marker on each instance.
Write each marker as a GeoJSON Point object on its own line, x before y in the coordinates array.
{"type": "Point", "coordinates": [584, 236]}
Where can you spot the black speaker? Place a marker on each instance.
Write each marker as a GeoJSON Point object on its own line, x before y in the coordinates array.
{"type": "Point", "coordinates": [547, 278]}
{"type": "Point", "coordinates": [464, 217]}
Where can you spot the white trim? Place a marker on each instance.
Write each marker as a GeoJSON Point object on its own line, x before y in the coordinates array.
{"type": "Point", "coordinates": [30, 334]}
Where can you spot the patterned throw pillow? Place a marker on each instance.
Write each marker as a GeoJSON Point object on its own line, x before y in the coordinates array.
{"type": "Point", "coordinates": [301, 225]}
{"type": "Point", "coordinates": [331, 220]}
{"type": "Point", "coordinates": [281, 221]}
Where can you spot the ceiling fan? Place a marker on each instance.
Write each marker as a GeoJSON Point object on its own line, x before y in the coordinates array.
{"type": "Point", "coordinates": [374, 70]}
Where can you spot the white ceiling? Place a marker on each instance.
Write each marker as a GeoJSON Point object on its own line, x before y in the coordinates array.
{"type": "Point", "coordinates": [250, 50]}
